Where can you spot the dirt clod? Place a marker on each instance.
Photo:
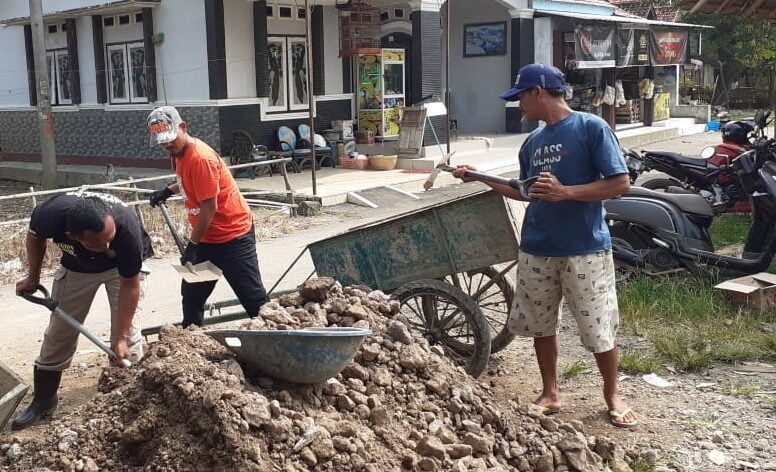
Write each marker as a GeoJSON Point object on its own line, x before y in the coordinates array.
{"type": "Point", "coordinates": [189, 405]}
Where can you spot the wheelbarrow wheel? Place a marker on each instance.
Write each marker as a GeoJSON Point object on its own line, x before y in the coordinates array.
{"type": "Point", "coordinates": [495, 302]}
{"type": "Point", "coordinates": [445, 315]}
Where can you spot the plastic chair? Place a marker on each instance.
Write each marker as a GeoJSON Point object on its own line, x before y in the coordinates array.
{"type": "Point", "coordinates": [323, 151]}
{"type": "Point", "coordinates": [288, 144]}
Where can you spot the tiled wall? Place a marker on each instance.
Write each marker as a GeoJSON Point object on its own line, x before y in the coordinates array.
{"type": "Point", "coordinates": [119, 134]}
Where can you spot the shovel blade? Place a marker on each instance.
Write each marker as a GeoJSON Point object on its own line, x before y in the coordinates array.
{"type": "Point", "coordinates": [202, 272]}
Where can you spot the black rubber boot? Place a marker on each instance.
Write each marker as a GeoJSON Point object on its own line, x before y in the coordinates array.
{"type": "Point", "coordinates": [44, 402]}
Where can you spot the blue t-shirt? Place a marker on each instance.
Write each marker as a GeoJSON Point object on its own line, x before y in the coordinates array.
{"type": "Point", "coordinates": [578, 150]}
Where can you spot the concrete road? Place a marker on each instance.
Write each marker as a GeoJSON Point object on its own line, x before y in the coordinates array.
{"type": "Point", "coordinates": [23, 323]}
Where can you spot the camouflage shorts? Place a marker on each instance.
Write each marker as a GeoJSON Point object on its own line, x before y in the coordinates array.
{"type": "Point", "coordinates": [587, 283]}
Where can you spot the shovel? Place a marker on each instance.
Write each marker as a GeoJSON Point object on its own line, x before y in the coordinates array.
{"type": "Point", "coordinates": [191, 273]}
{"type": "Point", "coordinates": [52, 305]}
{"type": "Point", "coordinates": [522, 186]}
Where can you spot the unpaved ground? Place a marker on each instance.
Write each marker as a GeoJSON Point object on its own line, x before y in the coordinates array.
{"type": "Point", "coordinates": [680, 425]}
{"type": "Point", "coordinates": [400, 405]}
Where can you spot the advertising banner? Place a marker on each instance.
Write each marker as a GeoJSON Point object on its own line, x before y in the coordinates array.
{"type": "Point", "coordinates": [632, 47]}
{"type": "Point", "coordinates": [669, 47]}
{"type": "Point", "coordinates": [594, 46]}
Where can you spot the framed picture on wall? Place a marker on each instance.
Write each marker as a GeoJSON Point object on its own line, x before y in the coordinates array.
{"type": "Point", "coordinates": [485, 39]}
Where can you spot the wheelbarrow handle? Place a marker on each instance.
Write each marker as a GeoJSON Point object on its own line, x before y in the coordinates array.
{"type": "Point", "coordinates": [52, 305]}
{"type": "Point", "coordinates": [45, 300]}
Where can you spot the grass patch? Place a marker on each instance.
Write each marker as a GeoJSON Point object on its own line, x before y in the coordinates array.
{"type": "Point", "coordinates": [642, 465]}
{"type": "Point", "coordinates": [574, 370]}
{"type": "Point", "coordinates": [637, 362]}
{"type": "Point", "coordinates": [739, 388]}
{"type": "Point", "coordinates": [770, 403]}
{"type": "Point", "coordinates": [693, 325]}
{"type": "Point", "coordinates": [729, 228]}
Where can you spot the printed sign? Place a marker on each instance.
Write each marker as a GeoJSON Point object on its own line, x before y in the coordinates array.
{"type": "Point", "coordinates": [662, 107]}
{"type": "Point", "coordinates": [594, 46]}
{"type": "Point", "coordinates": [669, 47]}
{"type": "Point", "coordinates": [632, 47]}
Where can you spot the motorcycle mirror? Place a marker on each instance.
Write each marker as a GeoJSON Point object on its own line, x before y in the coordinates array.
{"type": "Point", "coordinates": [708, 152]}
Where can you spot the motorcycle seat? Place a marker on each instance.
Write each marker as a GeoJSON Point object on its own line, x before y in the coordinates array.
{"type": "Point", "coordinates": [679, 158]}
{"type": "Point", "coordinates": [691, 203]}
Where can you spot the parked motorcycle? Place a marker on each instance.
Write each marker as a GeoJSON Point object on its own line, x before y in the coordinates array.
{"type": "Point", "coordinates": [659, 232]}
{"type": "Point", "coordinates": [709, 175]}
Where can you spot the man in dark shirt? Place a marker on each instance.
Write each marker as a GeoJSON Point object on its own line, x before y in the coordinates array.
{"type": "Point", "coordinates": [102, 243]}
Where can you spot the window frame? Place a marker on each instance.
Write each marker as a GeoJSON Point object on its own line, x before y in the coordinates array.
{"type": "Point", "coordinates": [289, 80]}
{"type": "Point", "coordinates": [290, 11]}
{"type": "Point", "coordinates": [55, 82]}
{"type": "Point", "coordinates": [288, 106]}
{"type": "Point", "coordinates": [136, 98]}
{"type": "Point", "coordinates": [129, 86]}
{"type": "Point", "coordinates": [109, 48]}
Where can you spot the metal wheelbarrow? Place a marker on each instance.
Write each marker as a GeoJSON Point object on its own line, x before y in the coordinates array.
{"type": "Point", "coordinates": [309, 355]}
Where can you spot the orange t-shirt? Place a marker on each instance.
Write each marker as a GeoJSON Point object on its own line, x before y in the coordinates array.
{"type": "Point", "coordinates": [202, 175]}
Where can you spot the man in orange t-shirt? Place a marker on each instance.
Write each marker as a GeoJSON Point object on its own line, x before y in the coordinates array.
{"type": "Point", "coordinates": [221, 222]}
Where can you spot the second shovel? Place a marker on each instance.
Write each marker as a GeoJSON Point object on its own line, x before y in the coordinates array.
{"type": "Point", "coordinates": [191, 273]}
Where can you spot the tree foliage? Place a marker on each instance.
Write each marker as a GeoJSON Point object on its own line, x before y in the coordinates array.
{"type": "Point", "coordinates": [751, 43]}
{"type": "Point", "coordinates": [739, 45]}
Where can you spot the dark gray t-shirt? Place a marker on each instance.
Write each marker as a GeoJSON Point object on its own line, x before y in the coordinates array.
{"type": "Point", "coordinates": [129, 248]}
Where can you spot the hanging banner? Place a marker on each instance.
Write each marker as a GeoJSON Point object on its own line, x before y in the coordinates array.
{"type": "Point", "coordinates": [669, 47]}
{"type": "Point", "coordinates": [632, 47]}
{"type": "Point", "coordinates": [594, 46]}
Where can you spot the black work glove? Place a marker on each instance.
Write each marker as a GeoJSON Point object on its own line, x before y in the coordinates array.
{"type": "Point", "coordinates": [189, 254]}
{"type": "Point", "coordinates": [160, 196]}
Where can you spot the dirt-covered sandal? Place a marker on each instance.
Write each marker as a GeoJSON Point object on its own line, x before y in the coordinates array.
{"type": "Point", "coordinates": [616, 418]}
{"type": "Point", "coordinates": [546, 410]}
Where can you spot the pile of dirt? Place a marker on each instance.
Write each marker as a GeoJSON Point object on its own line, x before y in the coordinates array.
{"type": "Point", "coordinates": [401, 404]}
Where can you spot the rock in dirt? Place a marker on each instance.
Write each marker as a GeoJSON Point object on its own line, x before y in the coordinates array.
{"type": "Point", "coordinates": [398, 332]}
{"type": "Point", "coordinates": [432, 447]}
{"type": "Point", "coordinates": [716, 457]}
{"type": "Point", "coordinates": [309, 208]}
{"type": "Point", "coordinates": [317, 290]}
{"type": "Point", "coordinates": [14, 452]}
{"type": "Point", "coordinates": [400, 404]}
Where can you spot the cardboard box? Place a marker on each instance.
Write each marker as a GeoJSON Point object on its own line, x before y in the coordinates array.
{"type": "Point", "coordinates": [343, 126]}
{"type": "Point", "coordinates": [758, 290]}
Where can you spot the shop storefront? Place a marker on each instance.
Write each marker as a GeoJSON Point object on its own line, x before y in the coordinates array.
{"type": "Point", "coordinates": [621, 68]}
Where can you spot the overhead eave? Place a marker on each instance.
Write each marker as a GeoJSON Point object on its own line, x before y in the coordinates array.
{"type": "Point", "coordinates": [109, 8]}
{"type": "Point", "coordinates": [631, 20]}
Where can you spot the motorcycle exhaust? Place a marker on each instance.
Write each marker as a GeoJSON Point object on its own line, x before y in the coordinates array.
{"type": "Point", "coordinates": [627, 256]}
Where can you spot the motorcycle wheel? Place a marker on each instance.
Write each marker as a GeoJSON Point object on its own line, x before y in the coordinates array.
{"type": "Point", "coordinates": [620, 234]}
{"type": "Point", "coordinates": [661, 184]}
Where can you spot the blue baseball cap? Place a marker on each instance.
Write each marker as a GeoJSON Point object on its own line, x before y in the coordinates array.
{"type": "Point", "coordinates": [535, 75]}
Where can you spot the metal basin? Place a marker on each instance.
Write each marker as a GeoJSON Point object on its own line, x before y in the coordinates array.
{"type": "Point", "coordinates": [309, 355]}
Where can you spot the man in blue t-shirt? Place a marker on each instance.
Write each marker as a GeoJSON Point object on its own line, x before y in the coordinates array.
{"type": "Point", "coordinates": [565, 251]}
